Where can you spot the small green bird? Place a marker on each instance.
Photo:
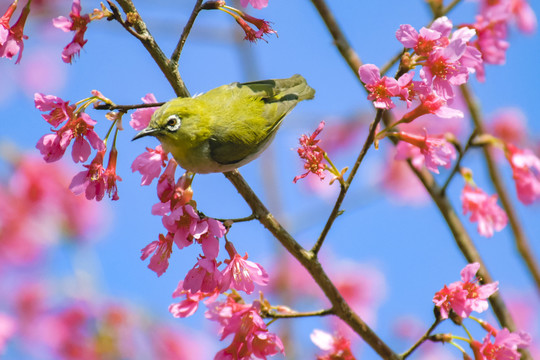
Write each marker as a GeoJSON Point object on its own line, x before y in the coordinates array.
{"type": "Point", "coordinates": [228, 126]}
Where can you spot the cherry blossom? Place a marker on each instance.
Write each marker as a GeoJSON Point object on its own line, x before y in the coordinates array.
{"type": "Point", "coordinates": [526, 172]}
{"type": "Point", "coordinates": [380, 89]}
{"type": "Point", "coordinates": [312, 154]}
{"type": "Point", "coordinates": [484, 210]}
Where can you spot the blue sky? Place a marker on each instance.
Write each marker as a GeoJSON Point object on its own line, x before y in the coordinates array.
{"type": "Point", "coordinates": [409, 244]}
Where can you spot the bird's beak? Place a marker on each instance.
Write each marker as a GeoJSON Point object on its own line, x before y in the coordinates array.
{"type": "Point", "coordinates": [145, 132]}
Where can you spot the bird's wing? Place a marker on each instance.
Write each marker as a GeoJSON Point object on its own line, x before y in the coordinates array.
{"type": "Point", "coordinates": [258, 118]}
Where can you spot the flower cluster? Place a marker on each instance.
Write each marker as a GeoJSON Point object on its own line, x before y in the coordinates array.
{"type": "Point", "coordinates": [504, 346]}
{"type": "Point", "coordinates": [73, 124]}
{"type": "Point", "coordinates": [312, 154]}
{"type": "Point", "coordinates": [491, 27]}
{"type": "Point", "coordinates": [251, 336]}
{"type": "Point", "coordinates": [36, 209]}
{"type": "Point", "coordinates": [465, 296]}
{"type": "Point", "coordinates": [207, 279]}
{"type": "Point", "coordinates": [78, 23]}
{"type": "Point", "coordinates": [336, 347]}
{"type": "Point", "coordinates": [11, 36]}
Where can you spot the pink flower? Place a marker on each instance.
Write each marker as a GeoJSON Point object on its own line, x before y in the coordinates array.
{"type": "Point", "coordinates": [380, 89]}
{"type": "Point", "coordinates": [505, 346]}
{"type": "Point", "coordinates": [251, 337]}
{"type": "Point", "coordinates": [161, 250]}
{"type": "Point", "coordinates": [110, 175]}
{"type": "Point", "coordinates": [140, 118]}
{"type": "Point", "coordinates": [526, 172]}
{"type": "Point", "coordinates": [242, 274]}
{"type": "Point", "coordinates": [465, 296]}
{"type": "Point", "coordinates": [422, 43]}
{"type": "Point", "coordinates": [436, 151]}
{"type": "Point", "coordinates": [524, 15]}
{"type": "Point", "coordinates": [257, 4]}
{"type": "Point", "coordinates": [92, 181]}
{"type": "Point", "coordinates": [77, 23]}
{"type": "Point", "coordinates": [312, 154]}
{"type": "Point", "coordinates": [431, 103]}
{"type": "Point", "coordinates": [263, 27]}
{"type": "Point", "coordinates": [204, 277]}
{"type": "Point", "coordinates": [149, 164]}
{"type": "Point", "coordinates": [484, 210]}
{"type": "Point", "coordinates": [336, 347]}
{"type": "Point", "coordinates": [80, 128]}
{"type": "Point", "coordinates": [11, 39]}
{"type": "Point", "coordinates": [190, 304]}
{"type": "Point", "coordinates": [184, 223]}
{"type": "Point", "coordinates": [59, 110]}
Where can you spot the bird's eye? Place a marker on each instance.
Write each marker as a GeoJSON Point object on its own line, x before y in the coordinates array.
{"type": "Point", "coordinates": [173, 123]}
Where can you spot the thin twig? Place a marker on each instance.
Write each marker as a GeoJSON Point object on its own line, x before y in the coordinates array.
{"type": "Point", "coordinates": [168, 68]}
{"type": "Point", "coordinates": [457, 165]}
{"type": "Point", "coordinates": [345, 187]}
{"type": "Point", "coordinates": [175, 57]}
{"type": "Point", "coordinates": [293, 315]}
{"type": "Point", "coordinates": [341, 43]}
{"type": "Point", "coordinates": [238, 220]}
{"type": "Point", "coordinates": [522, 243]}
{"type": "Point", "coordinates": [422, 339]}
{"type": "Point", "coordinates": [312, 265]}
{"type": "Point", "coordinates": [125, 108]}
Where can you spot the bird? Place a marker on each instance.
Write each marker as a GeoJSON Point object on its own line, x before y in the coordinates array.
{"type": "Point", "coordinates": [226, 127]}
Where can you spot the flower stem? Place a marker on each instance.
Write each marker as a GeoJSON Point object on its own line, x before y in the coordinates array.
{"type": "Point", "coordinates": [421, 340]}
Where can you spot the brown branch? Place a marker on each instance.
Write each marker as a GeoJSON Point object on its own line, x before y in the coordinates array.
{"type": "Point", "coordinates": [168, 67]}
{"type": "Point", "coordinates": [125, 108]}
{"type": "Point", "coordinates": [340, 41]}
{"type": "Point", "coordinates": [522, 243]}
{"type": "Point", "coordinates": [292, 315]}
{"type": "Point", "coordinates": [422, 339]}
{"type": "Point", "coordinates": [345, 187]}
{"type": "Point", "coordinates": [461, 236]}
{"type": "Point", "coordinates": [175, 57]}
{"type": "Point", "coordinates": [312, 265]}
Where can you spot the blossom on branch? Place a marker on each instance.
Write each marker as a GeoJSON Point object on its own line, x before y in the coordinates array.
{"type": "Point", "coordinates": [11, 38]}
{"type": "Point", "coordinates": [312, 154]}
{"type": "Point", "coordinates": [380, 89]}
{"type": "Point", "coordinates": [504, 347]}
{"type": "Point", "coordinates": [242, 274]}
{"type": "Point", "coordinates": [465, 296]}
{"type": "Point", "coordinates": [140, 118]}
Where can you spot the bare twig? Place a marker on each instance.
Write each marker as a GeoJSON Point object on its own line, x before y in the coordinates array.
{"type": "Point", "coordinates": [457, 165]}
{"type": "Point", "coordinates": [422, 339]}
{"type": "Point", "coordinates": [125, 108]}
{"type": "Point", "coordinates": [292, 315]}
{"type": "Point", "coordinates": [169, 68]}
{"type": "Point", "coordinates": [175, 57]}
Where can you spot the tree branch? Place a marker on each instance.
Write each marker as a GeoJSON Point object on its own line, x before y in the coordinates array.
{"type": "Point", "coordinates": [522, 243]}
{"type": "Point", "coordinates": [175, 57]}
{"type": "Point", "coordinates": [312, 265]}
{"type": "Point", "coordinates": [169, 68]}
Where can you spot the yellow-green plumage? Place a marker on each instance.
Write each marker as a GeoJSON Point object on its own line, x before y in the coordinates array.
{"type": "Point", "coordinates": [228, 126]}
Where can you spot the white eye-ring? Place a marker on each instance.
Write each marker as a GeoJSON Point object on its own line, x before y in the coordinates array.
{"type": "Point", "coordinates": [173, 123]}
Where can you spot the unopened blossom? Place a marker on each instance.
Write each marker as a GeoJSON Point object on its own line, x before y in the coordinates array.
{"type": "Point", "coordinates": [335, 347]}
{"type": "Point", "coordinates": [161, 250]}
{"type": "Point", "coordinates": [149, 164]}
{"type": "Point", "coordinates": [504, 347]}
{"type": "Point", "coordinates": [11, 38]}
{"type": "Point", "coordinates": [242, 274]}
{"type": "Point", "coordinates": [110, 175]}
{"type": "Point", "coordinates": [436, 150]}
{"type": "Point", "coordinates": [77, 23]}
{"type": "Point", "coordinates": [257, 4]}
{"type": "Point", "coordinates": [465, 296]}
{"type": "Point", "coordinates": [484, 210]}
{"type": "Point", "coordinates": [140, 118]}
{"type": "Point", "coordinates": [312, 154]}
{"type": "Point", "coordinates": [380, 89]}
{"type": "Point", "coordinates": [526, 173]}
